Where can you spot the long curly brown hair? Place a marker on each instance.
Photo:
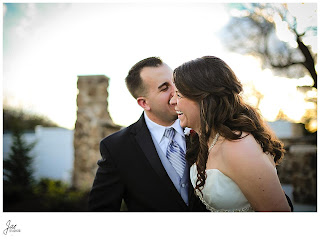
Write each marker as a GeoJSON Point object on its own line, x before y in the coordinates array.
{"type": "Point", "coordinates": [212, 83]}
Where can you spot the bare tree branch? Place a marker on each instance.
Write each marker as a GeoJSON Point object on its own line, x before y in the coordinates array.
{"type": "Point", "coordinates": [254, 33]}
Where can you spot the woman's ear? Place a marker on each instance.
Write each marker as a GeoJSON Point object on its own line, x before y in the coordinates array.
{"type": "Point", "coordinates": [142, 101]}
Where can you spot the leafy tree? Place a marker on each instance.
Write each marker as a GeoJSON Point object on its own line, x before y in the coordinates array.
{"type": "Point", "coordinates": [17, 169]}
{"type": "Point", "coordinates": [12, 117]}
{"type": "Point", "coordinates": [253, 30]}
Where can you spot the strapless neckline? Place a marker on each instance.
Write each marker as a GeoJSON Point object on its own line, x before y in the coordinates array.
{"type": "Point", "coordinates": [220, 193]}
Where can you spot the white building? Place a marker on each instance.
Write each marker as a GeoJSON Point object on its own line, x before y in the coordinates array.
{"type": "Point", "coordinates": [52, 154]}
{"type": "Point", "coordinates": [284, 129]}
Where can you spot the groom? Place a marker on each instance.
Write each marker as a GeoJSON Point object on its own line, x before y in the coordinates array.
{"type": "Point", "coordinates": [144, 163]}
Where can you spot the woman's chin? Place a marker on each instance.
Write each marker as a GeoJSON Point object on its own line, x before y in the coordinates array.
{"type": "Point", "coordinates": [182, 124]}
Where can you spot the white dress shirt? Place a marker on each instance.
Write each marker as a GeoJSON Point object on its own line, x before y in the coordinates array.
{"type": "Point", "coordinates": [157, 133]}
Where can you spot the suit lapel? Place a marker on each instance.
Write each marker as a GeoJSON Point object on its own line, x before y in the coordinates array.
{"type": "Point", "coordinates": [144, 139]}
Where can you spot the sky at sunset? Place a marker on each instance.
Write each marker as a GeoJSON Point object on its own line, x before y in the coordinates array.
{"type": "Point", "coordinates": [46, 46]}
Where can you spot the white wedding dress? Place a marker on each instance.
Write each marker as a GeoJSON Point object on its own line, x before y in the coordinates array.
{"type": "Point", "coordinates": [220, 193]}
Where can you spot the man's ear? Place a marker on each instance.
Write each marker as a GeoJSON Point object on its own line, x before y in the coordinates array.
{"type": "Point", "coordinates": [142, 101]}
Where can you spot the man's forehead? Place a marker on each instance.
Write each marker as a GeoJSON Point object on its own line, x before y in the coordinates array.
{"type": "Point", "coordinates": [157, 75]}
{"type": "Point", "coordinates": [156, 70]}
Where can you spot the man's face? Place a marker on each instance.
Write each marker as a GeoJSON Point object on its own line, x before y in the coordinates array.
{"type": "Point", "coordinates": [159, 87]}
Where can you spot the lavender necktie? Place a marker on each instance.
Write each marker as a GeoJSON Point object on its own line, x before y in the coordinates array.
{"type": "Point", "coordinates": [175, 154]}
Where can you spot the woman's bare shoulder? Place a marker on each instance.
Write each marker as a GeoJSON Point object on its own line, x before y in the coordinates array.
{"type": "Point", "coordinates": [242, 152]}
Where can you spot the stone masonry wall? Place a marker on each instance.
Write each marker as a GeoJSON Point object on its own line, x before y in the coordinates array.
{"type": "Point", "coordinates": [92, 125]}
{"type": "Point", "coordinates": [299, 168]}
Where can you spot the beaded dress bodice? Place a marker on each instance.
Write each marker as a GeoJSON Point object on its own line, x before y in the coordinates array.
{"type": "Point", "coordinates": [220, 193]}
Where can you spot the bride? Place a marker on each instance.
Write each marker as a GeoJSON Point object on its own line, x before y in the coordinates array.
{"type": "Point", "coordinates": [233, 154]}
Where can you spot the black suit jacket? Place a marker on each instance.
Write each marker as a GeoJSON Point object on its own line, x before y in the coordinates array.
{"type": "Point", "coordinates": [131, 169]}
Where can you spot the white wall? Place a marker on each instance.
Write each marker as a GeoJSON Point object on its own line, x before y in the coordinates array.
{"type": "Point", "coordinates": [53, 152]}
{"type": "Point", "coordinates": [283, 129]}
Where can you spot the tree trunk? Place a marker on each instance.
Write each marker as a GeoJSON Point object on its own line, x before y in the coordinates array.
{"type": "Point", "coordinates": [309, 62]}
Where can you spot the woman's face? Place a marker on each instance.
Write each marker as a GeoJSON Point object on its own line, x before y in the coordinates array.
{"type": "Point", "coordinates": [188, 111]}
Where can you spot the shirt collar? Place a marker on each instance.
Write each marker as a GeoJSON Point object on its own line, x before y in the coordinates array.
{"type": "Point", "coordinates": [158, 130]}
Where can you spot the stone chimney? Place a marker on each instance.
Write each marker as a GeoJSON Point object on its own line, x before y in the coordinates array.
{"type": "Point", "coordinates": [92, 125]}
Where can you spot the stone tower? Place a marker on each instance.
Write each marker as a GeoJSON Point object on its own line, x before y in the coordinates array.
{"type": "Point", "coordinates": [93, 124]}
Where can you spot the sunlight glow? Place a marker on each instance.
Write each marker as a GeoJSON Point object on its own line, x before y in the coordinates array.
{"type": "Point", "coordinates": [47, 46]}
{"type": "Point", "coordinates": [56, 43]}
{"type": "Point", "coordinates": [283, 32]}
